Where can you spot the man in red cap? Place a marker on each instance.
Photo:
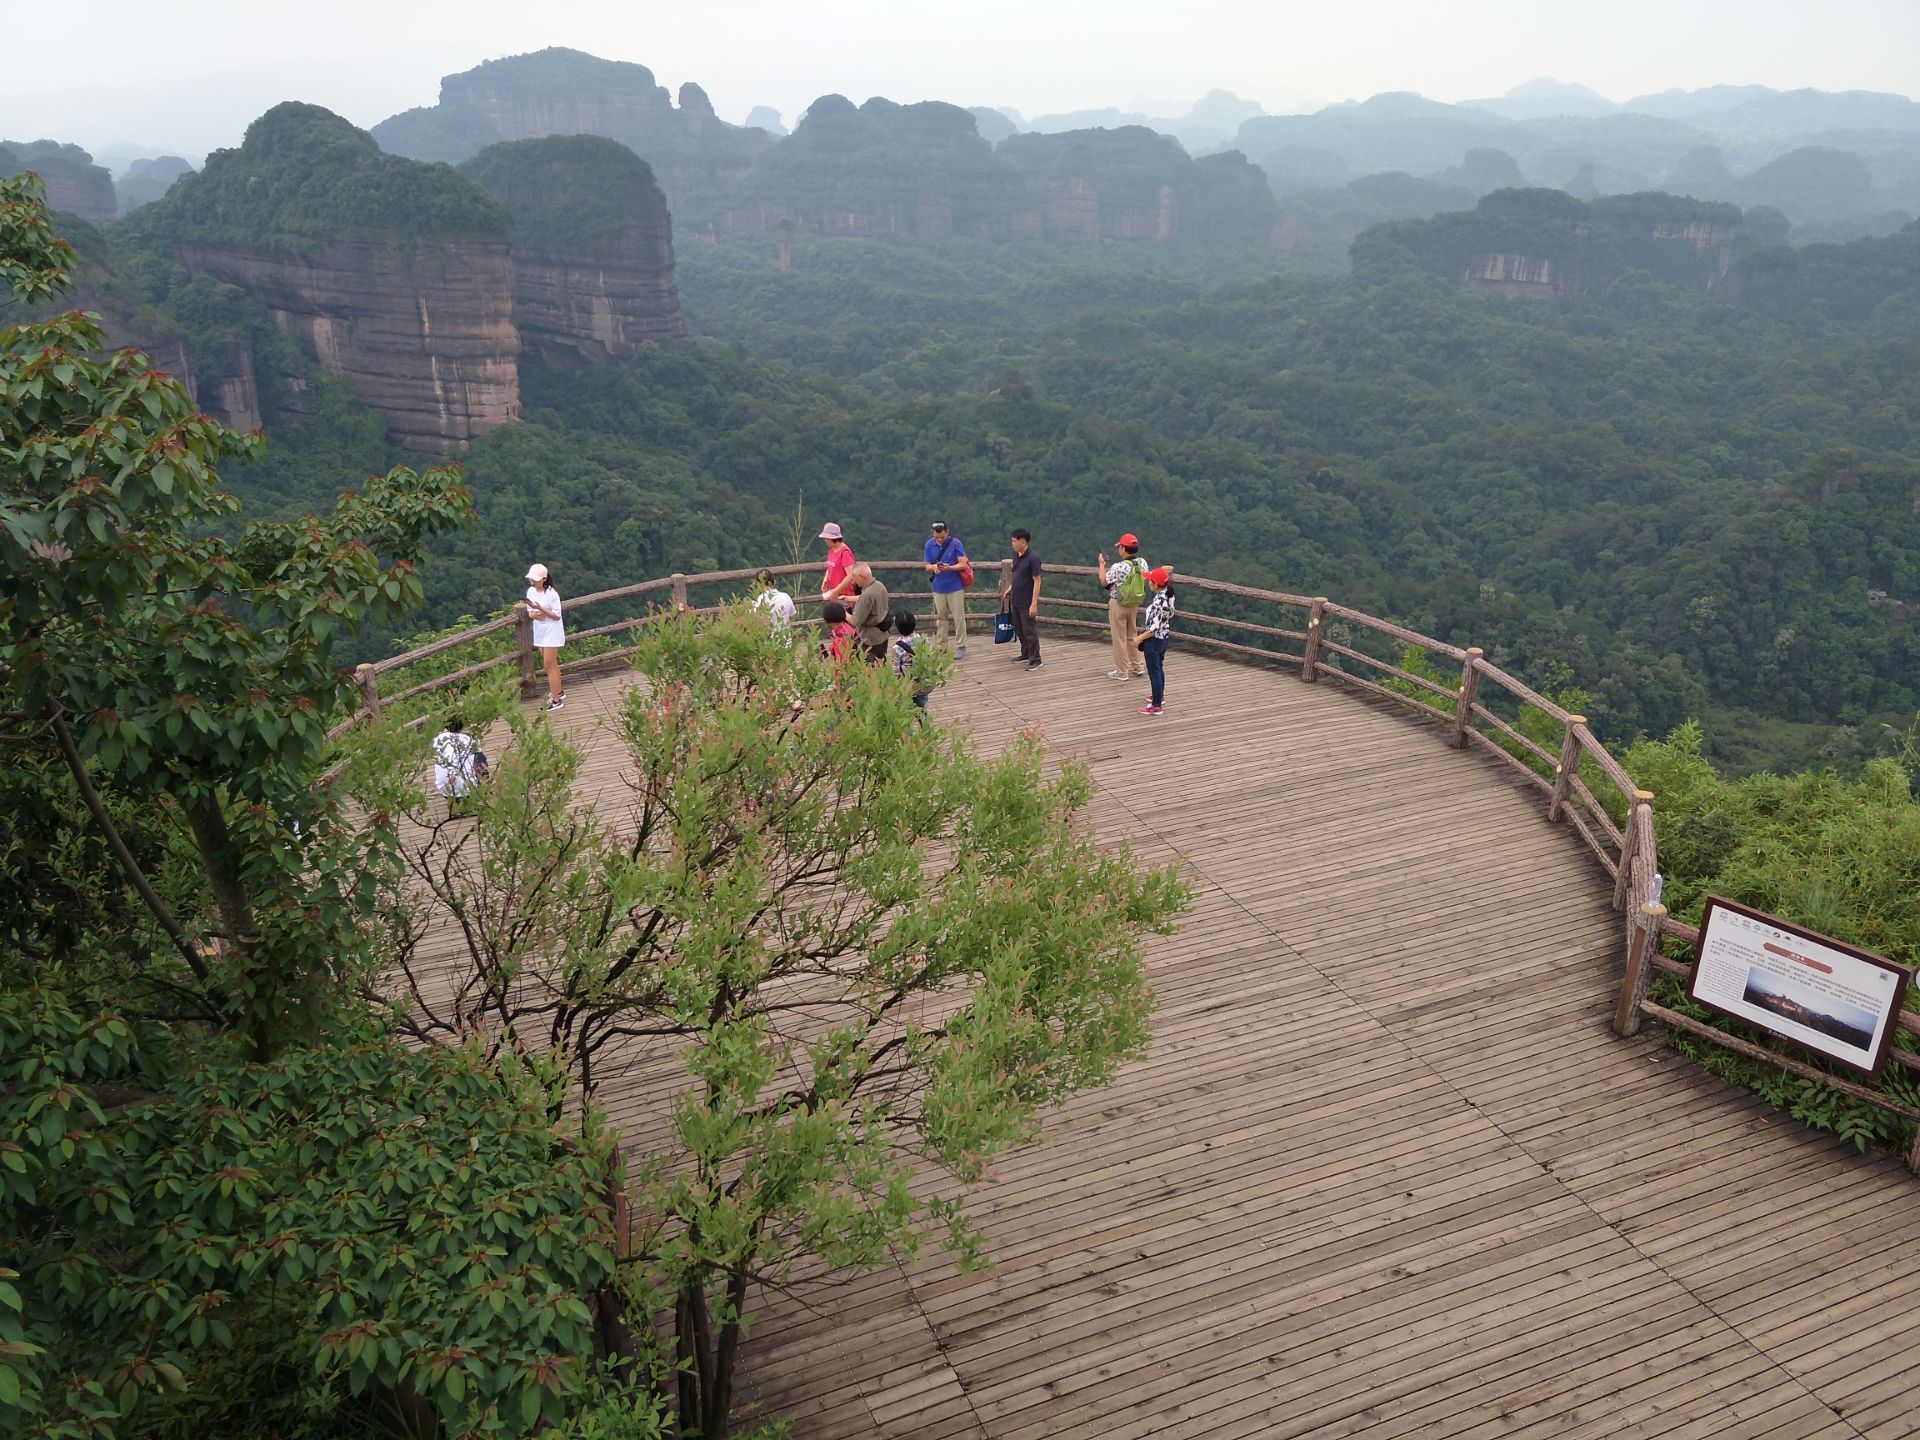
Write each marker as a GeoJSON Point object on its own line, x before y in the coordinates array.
{"type": "Point", "coordinates": [1126, 582]}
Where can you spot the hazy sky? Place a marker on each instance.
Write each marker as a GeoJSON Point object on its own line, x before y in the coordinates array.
{"type": "Point", "coordinates": [190, 74]}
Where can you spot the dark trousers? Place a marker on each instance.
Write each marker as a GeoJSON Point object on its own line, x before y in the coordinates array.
{"type": "Point", "coordinates": [1156, 652]}
{"type": "Point", "coordinates": [1026, 632]}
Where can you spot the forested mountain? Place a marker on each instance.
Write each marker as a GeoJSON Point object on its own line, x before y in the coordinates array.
{"type": "Point", "coordinates": [1838, 166]}
{"type": "Point", "coordinates": [1685, 480]}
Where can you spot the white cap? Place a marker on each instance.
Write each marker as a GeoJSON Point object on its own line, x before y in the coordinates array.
{"type": "Point", "coordinates": [536, 573]}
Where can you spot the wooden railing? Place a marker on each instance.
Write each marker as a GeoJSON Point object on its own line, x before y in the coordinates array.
{"type": "Point", "coordinates": [1332, 643]}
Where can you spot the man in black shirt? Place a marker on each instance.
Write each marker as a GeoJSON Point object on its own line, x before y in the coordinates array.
{"type": "Point", "coordinates": [1022, 598]}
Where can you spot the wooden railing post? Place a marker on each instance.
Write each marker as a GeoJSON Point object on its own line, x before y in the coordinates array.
{"type": "Point", "coordinates": [368, 679]}
{"type": "Point", "coordinates": [679, 592]}
{"type": "Point", "coordinates": [1630, 845]}
{"type": "Point", "coordinates": [523, 647]}
{"type": "Point", "coordinates": [1463, 702]}
{"type": "Point", "coordinates": [1568, 767]}
{"type": "Point", "coordinates": [1316, 627]}
{"type": "Point", "coordinates": [1641, 949]}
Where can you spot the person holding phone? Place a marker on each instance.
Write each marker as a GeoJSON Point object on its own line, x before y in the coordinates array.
{"type": "Point", "coordinates": [549, 634]}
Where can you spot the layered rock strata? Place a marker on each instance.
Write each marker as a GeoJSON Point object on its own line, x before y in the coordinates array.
{"type": "Point", "coordinates": [592, 247]}
{"type": "Point", "coordinates": [74, 184]}
{"type": "Point", "coordinates": [394, 276]}
{"type": "Point", "coordinates": [424, 335]}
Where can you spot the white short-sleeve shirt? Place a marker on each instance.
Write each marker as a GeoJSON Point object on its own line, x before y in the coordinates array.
{"type": "Point", "coordinates": [453, 752]}
{"type": "Point", "coordinates": [777, 605]}
{"type": "Point", "coordinates": [547, 634]}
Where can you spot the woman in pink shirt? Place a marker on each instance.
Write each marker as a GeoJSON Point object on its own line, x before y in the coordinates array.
{"type": "Point", "coordinates": [839, 563]}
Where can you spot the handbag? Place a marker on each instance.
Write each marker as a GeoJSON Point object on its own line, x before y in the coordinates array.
{"type": "Point", "coordinates": [1003, 627]}
{"type": "Point", "coordinates": [965, 571]}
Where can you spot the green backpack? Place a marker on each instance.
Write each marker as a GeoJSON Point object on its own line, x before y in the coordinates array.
{"type": "Point", "coordinates": [1133, 589]}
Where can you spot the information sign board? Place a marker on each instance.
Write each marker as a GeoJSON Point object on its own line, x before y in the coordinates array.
{"type": "Point", "coordinates": [1828, 996]}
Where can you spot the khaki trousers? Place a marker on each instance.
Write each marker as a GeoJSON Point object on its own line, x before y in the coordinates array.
{"type": "Point", "coordinates": [950, 617]}
{"type": "Point", "coordinates": [1122, 619]}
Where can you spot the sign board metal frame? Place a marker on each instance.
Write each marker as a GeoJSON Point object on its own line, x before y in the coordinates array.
{"type": "Point", "coordinates": [1777, 937]}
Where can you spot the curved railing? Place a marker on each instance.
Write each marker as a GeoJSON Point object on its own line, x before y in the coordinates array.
{"type": "Point", "coordinates": [1476, 703]}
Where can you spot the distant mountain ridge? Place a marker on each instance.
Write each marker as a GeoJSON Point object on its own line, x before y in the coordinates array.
{"type": "Point", "coordinates": [568, 92]}
{"type": "Point", "coordinates": [931, 170]}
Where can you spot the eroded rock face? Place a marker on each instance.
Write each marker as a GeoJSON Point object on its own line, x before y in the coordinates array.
{"type": "Point", "coordinates": [74, 184]}
{"type": "Point", "coordinates": [592, 247]}
{"type": "Point", "coordinates": [574, 312]}
{"type": "Point", "coordinates": [1132, 184]}
{"type": "Point", "coordinates": [558, 92]}
{"type": "Point", "coordinates": [1527, 276]}
{"type": "Point", "coordinates": [423, 334]}
{"type": "Point", "coordinates": [878, 169]}
{"type": "Point", "coordinates": [513, 113]}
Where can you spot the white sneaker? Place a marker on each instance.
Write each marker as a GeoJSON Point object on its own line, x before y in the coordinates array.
{"type": "Point", "coordinates": [1116, 674]}
{"type": "Point", "coordinates": [557, 703]}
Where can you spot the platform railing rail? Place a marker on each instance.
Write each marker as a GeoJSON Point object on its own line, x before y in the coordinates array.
{"type": "Point", "coordinates": [1476, 705]}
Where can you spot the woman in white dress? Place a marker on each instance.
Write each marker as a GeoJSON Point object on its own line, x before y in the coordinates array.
{"type": "Point", "coordinates": [543, 605]}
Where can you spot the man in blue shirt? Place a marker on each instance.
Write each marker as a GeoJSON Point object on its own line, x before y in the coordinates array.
{"type": "Point", "coordinates": [945, 557]}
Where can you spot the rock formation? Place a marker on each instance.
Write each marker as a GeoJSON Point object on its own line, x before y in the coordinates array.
{"type": "Point", "coordinates": [1132, 184]}
{"type": "Point", "coordinates": [424, 336]}
{"type": "Point", "coordinates": [567, 92]}
{"type": "Point", "coordinates": [879, 169]}
{"type": "Point", "coordinates": [765, 117]}
{"type": "Point", "coordinates": [592, 246]}
{"type": "Point", "coordinates": [75, 185]}
{"type": "Point", "coordinates": [1544, 243]}
{"type": "Point", "coordinates": [147, 180]}
{"type": "Point", "coordinates": [394, 276]}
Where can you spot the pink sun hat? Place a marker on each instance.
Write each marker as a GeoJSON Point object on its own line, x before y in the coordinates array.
{"type": "Point", "coordinates": [830, 531]}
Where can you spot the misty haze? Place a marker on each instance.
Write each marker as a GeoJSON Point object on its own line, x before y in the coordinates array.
{"type": "Point", "coordinates": [818, 721]}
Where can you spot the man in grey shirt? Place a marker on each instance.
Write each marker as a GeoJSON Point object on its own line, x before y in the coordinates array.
{"type": "Point", "coordinates": [870, 612]}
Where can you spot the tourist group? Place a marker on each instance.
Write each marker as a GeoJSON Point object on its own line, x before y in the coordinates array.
{"type": "Point", "coordinates": [857, 618]}
{"type": "Point", "coordinates": [858, 621]}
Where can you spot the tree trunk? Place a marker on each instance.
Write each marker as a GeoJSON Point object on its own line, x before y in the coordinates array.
{"type": "Point", "coordinates": [230, 898]}
{"type": "Point", "coordinates": [720, 1396]}
{"type": "Point", "coordinates": [694, 1338]}
{"type": "Point", "coordinates": [128, 865]}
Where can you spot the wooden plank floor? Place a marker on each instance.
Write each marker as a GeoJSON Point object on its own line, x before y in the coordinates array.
{"type": "Point", "coordinates": [1385, 1171]}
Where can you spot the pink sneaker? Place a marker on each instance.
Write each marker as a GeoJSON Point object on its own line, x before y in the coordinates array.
{"type": "Point", "coordinates": [1149, 709]}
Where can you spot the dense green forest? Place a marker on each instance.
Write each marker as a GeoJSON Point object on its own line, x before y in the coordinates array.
{"type": "Point", "coordinates": [1689, 508]}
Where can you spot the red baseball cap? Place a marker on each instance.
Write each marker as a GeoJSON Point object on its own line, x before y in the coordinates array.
{"type": "Point", "coordinates": [1161, 575]}
{"type": "Point", "coordinates": [1129, 539]}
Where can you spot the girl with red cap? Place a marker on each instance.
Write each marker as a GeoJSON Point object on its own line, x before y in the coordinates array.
{"type": "Point", "coordinates": [1154, 635]}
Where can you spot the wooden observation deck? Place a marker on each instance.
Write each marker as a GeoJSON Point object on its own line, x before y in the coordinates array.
{"type": "Point", "coordinates": [1387, 1169]}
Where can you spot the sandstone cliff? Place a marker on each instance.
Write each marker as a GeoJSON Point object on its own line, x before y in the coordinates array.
{"type": "Point", "coordinates": [147, 180]}
{"type": "Point", "coordinates": [74, 183]}
{"type": "Point", "coordinates": [1133, 184]}
{"type": "Point", "coordinates": [394, 276]}
{"type": "Point", "coordinates": [1547, 244]}
{"type": "Point", "coordinates": [878, 169]}
{"type": "Point", "coordinates": [592, 247]}
{"type": "Point", "coordinates": [423, 335]}
{"type": "Point", "coordinates": [567, 92]}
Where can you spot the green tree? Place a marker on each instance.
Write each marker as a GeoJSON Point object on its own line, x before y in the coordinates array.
{"type": "Point", "coordinates": [877, 954]}
{"type": "Point", "coordinates": [193, 671]}
{"type": "Point", "coordinates": [206, 1246]}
